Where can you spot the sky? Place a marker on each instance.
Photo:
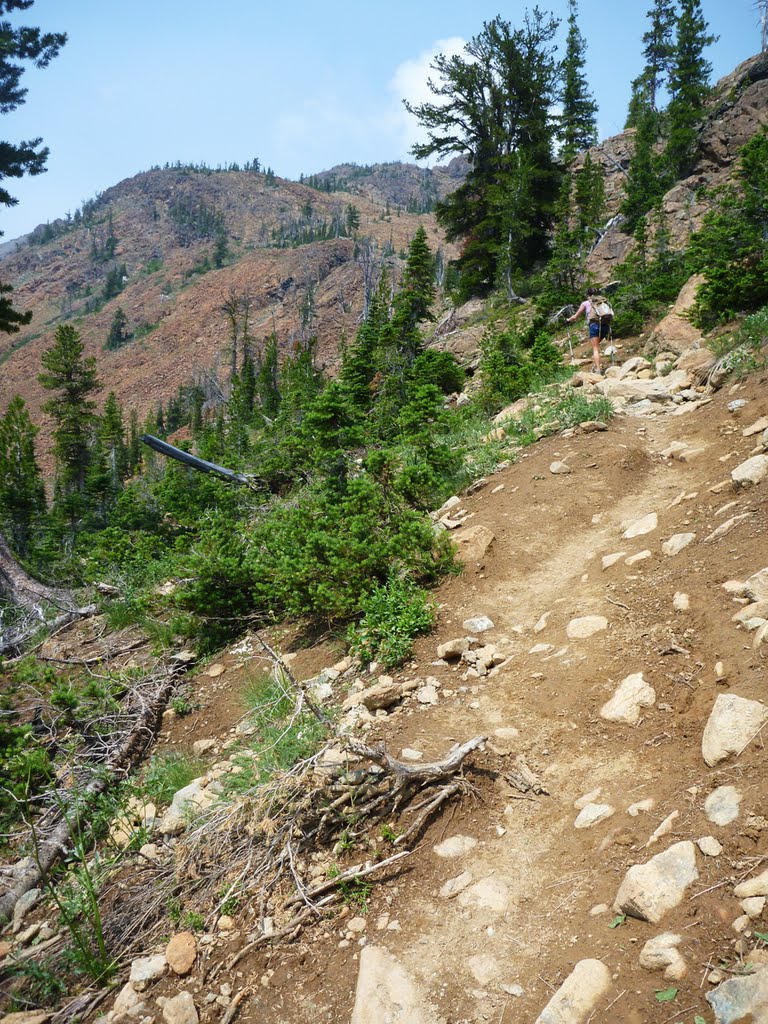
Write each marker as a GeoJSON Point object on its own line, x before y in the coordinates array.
{"type": "Point", "coordinates": [300, 85]}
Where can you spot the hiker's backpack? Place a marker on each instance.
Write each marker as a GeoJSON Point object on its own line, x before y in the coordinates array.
{"type": "Point", "coordinates": [600, 310]}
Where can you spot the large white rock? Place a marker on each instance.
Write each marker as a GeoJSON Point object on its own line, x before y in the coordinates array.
{"type": "Point", "coordinates": [579, 994]}
{"type": "Point", "coordinates": [586, 626]}
{"type": "Point", "coordinates": [661, 954]}
{"type": "Point", "coordinates": [740, 999]}
{"type": "Point", "coordinates": [386, 993]}
{"type": "Point", "coordinates": [490, 894]}
{"type": "Point", "coordinates": [478, 624]}
{"type": "Point", "coordinates": [732, 725]}
{"type": "Point", "coordinates": [649, 890]}
{"type": "Point", "coordinates": [757, 585]}
{"type": "Point", "coordinates": [632, 694]}
{"type": "Point", "coordinates": [593, 814]}
{"type": "Point", "coordinates": [751, 472]}
{"type": "Point", "coordinates": [675, 544]}
{"type": "Point", "coordinates": [180, 1009]}
{"type": "Point", "coordinates": [145, 969]}
{"type": "Point", "coordinates": [647, 524]}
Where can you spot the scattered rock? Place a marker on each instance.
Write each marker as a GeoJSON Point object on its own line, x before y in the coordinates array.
{"type": "Point", "coordinates": [386, 993]}
{"type": "Point", "coordinates": [675, 544]}
{"type": "Point", "coordinates": [453, 648]}
{"type": "Point", "coordinates": [146, 969]}
{"type": "Point", "coordinates": [427, 694]}
{"type": "Point", "coordinates": [663, 829]}
{"type": "Point", "coordinates": [751, 472]}
{"type": "Point", "coordinates": [733, 724]}
{"type": "Point", "coordinates": [586, 626]}
{"type": "Point", "coordinates": [225, 923]}
{"type": "Point", "coordinates": [409, 754]}
{"type": "Point", "coordinates": [588, 798]}
{"type": "Point", "coordinates": [632, 694]}
{"type": "Point", "coordinates": [560, 468]}
{"type": "Point", "coordinates": [456, 885]}
{"type": "Point", "coordinates": [27, 1017]}
{"type": "Point", "coordinates": [579, 994]}
{"type": "Point", "coordinates": [642, 526]}
{"type": "Point", "coordinates": [639, 557]}
{"type": "Point", "coordinates": [609, 560]}
{"type": "Point", "coordinates": [455, 846]}
{"type": "Point", "coordinates": [473, 542]}
{"type": "Point", "coordinates": [486, 894]}
{"type": "Point", "coordinates": [484, 968]}
{"type": "Point", "coordinates": [478, 624]}
{"type": "Point", "coordinates": [179, 1010]}
{"type": "Point", "coordinates": [681, 602]}
{"type": "Point", "coordinates": [593, 814]}
{"type": "Point", "coordinates": [756, 428]}
{"type": "Point", "coordinates": [725, 528]}
{"type": "Point", "coordinates": [185, 801]}
{"type": "Point", "coordinates": [128, 1001]}
{"type": "Point", "coordinates": [753, 907]}
{"type": "Point", "coordinates": [742, 998]}
{"type": "Point", "coordinates": [661, 954]}
{"type": "Point", "coordinates": [756, 586]}
{"type": "Point", "coordinates": [642, 805]}
{"type": "Point", "coordinates": [722, 805]}
{"type": "Point", "coordinates": [217, 669]}
{"type": "Point", "coordinates": [200, 747]}
{"type": "Point", "coordinates": [23, 906]}
{"type": "Point", "coordinates": [709, 846]}
{"type": "Point", "coordinates": [649, 890]}
{"type": "Point", "coordinates": [757, 886]}
{"type": "Point", "coordinates": [382, 694]}
{"type": "Point", "coordinates": [181, 952]}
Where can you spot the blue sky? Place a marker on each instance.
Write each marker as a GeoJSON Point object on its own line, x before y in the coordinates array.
{"type": "Point", "coordinates": [301, 85]}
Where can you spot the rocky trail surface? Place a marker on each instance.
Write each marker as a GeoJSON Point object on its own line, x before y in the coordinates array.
{"type": "Point", "coordinates": [608, 636]}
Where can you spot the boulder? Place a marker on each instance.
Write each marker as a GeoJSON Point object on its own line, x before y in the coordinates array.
{"type": "Point", "coordinates": [676, 332]}
{"type": "Point", "coordinates": [632, 391]}
{"type": "Point", "coordinates": [649, 890]}
{"type": "Point", "coordinates": [579, 994]}
{"type": "Point", "coordinates": [586, 626]}
{"type": "Point", "coordinates": [632, 694]}
{"type": "Point", "coordinates": [733, 723]}
{"type": "Point", "coordinates": [751, 472]}
{"type": "Point", "coordinates": [743, 998]}
{"type": "Point", "coordinates": [386, 992]}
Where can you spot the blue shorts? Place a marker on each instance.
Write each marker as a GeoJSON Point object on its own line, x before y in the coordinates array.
{"type": "Point", "coordinates": [598, 330]}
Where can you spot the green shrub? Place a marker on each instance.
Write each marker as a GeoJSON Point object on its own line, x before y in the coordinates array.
{"type": "Point", "coordinates": [167, 773]}
{"type": "Point", "coordinates": [393, 616]}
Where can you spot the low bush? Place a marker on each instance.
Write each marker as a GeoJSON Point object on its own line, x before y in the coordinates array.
{"type": "Point", "coordinates": [394, 614]}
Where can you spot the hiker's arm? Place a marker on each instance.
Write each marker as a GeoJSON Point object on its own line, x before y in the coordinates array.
{"type": "Point", "coordinates": [582, 309]}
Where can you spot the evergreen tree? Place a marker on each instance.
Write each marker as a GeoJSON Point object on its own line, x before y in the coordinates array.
{"type": "Point", "coordinates": [417, 292]}
{"type": "Point", "coordinates": [495, 106]}
{"type": "Point", "coordinates": [359, 365]}
{"type": "Point", "coordinates": [658, 48]}
{"type": "Point", "coordinates": [578, 127]}
{"type": "Point", "coordinates": [67, 372]}
{"type": "Point", "coordinates": [118, 331]}
{"type": "Point", "coordinates": [112, 439]}
{"type": "Point", "coordinates": [133, 452]}
{"type": "Point", "coordinates": [267, 388]}
{"type": "Point", "coordinates": [689, 85]}
{"type": "Point", "coordinates": [646, 181]}
{"type": "Point", "coordinates": [18, 46]}
{"type": "Point", "coordinates": [22, 495]}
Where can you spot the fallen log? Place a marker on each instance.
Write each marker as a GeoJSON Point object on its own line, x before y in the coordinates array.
{"type": "Point", "coordinates": [195, 462]}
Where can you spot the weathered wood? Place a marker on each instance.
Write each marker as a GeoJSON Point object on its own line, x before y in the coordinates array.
{"type": "Point", "coordinates": [194, 462]}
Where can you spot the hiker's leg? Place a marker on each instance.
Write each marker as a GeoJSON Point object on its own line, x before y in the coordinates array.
{"type": "Point", "coordinates": [594, 337]}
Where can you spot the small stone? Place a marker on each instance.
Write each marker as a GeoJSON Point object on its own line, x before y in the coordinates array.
{"type": "Point", "coordinates": [588, 798]}
{"type": "Point", "coordinates": [217, 669]}
{"type": "Point", "coordinates": [409, 754]}
{"type": "Point", "coordinates": [593, 814]}
{"type": "Point", "coordinates": [609, 560]}
{"type": "Point", "coordinates": [181, 952]}
{"type": "Point", "coordinates": [486, 894]}
{"type": "Point", "coordinates": [453, 648]}
{"type": "Point", "coordinates": [721, 673]}
{"type": "Point", "coordinates": [483, 968]}
{"type": "Point", "coordinates": [661, 954]}
{"type": "Point", "coordinates": [740, 999]}
{"type": "Point", "coordinates": [722, 805]}
{"type": "Point", "coordinates": [456, 885]}
{"type": "Point", "coordinates": [23, 905]}
{"type": "Point", "coordinates": [225, 923]}
{"type": "Point", "coordinates": [642, 805]}
{"type": "Point", "coordinates": [736, 404]}
{"type": "Point", "coordinates": [586, 626]}
{"type": "Point", "coordinates": [756, 428]}
{"type": "Point", "coordinates": [479, 624]}
{"type": "Point", "coordinates": [598, 909]}
{"type": "Point", "coordinates": [753, 907]}
{"type": "Point", "coordinates": [757, 886]}
{"type": "Point", "coordinates": [647, 524]}
{"type": "Point", "coordinates": [639, 557]}
{"type": "Point", "coordinates": [386, 991]}
{"type": "Point", "coordinates": [709, 846]}
{"type": "Point", "coordinates": [676, 543]}
{"type": "Point", "coordinates": [357, 925]}
{"type": "Point", "coordinates": [741, 924]}
{"type": "Point", "coordinates": [200, 747]}
{"type": "Point", "coordinates": [632, 694]}
{"type": "Point", "coordinates": [664, 828]}
{"type": "Point", "coordinates": [756, 586]}
{"type": "Point", "coordinates": [560, 469]}
{"type": "Point", "coordinates": [128, 1001]}
{"type": "Point", "coordinates": [427, 695]}
{"type": "Point", "coordinates": [681, 602]}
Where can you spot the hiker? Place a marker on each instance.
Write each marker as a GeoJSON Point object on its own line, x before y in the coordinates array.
{"type": "Point", "coordinates": [599, 315]}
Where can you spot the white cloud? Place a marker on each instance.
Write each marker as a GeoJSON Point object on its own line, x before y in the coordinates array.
{"type": "Point", "coordinates": [409, 82]}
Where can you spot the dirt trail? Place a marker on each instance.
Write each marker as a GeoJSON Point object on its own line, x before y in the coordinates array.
{"type": "Point", "coordinates": [499, 949]}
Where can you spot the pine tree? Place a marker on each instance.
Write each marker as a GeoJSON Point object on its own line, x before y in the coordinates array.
{"type": "Point", "coordinates": [267, 388]}
{"type": "Point", "coordinates": [689, 85]}
{"type": "Point", "coordinates": [22, 495]}
{"type": "Point", "coordinates": [17, 46]}
{"type": "Point", "coordinates": [495, 106]}
{"type": "Point", "coordinates": [118, 331]}
{"type": "Point", "coordinates": [647, 180]}
{"type": "Point", "coordinates": [578, 127]}
{"type": "Point", "coordinates": [73, 377]}
{"type": "Point", "coordinates": [112, 439]}
{"type": "Point", "coordinates": [417, 291]}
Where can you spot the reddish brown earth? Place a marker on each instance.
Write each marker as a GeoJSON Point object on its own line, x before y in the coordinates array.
{"type": "Point", "coordinates": [546, 557]}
